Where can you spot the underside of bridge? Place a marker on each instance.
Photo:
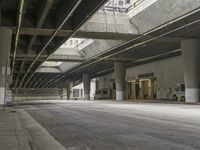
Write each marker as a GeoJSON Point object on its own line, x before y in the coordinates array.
{"type": "Point", "coordinates": [39, 27]}
{"type": "Point", "coordinates": [99, 74]}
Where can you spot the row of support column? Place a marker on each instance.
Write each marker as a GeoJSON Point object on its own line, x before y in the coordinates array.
{"type": "Point", "coordinates": [86, 87]}
{"type": "Point", "coordinates": [191, 63]}
{"type": "Point", "coordinates": [120, 73]}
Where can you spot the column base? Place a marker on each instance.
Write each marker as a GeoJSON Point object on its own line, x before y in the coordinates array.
{"type": "Point", "coordinates": [192, 95]}
{"type": "Point", "coordinates": [2, 91]}
{"type": "Point", "coordinates": [120, 96]}
{"type": "Point", "coordinates": [86, 97]}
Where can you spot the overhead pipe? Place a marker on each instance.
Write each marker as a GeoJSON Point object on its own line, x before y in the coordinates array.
{"type": "Point", "coordinates": [20, 15]}
{"type": "Point", "coordinates": [147, 41]}
{"type": "Point", "coordinates": [39, 25]}
{"type": "Point", "coordinates": [48, 42]}
{"type": "Point", "coordinates": [88, 16]}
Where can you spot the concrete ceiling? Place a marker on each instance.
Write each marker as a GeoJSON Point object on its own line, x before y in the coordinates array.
{"type": "Point", "coordinates": [40, 20]}
{"type": "Point", "coordinates": [38, 29]}
{"type": "Point", "coordinates": [135, 52]}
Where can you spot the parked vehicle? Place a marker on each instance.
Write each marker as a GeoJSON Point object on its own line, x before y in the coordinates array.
{"type": "Point", "coordinates": [102, 94]}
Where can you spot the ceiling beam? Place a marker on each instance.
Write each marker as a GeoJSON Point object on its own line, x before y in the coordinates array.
{"type": "Point", "coordinates": [44, 6]}
{"type": "Point", "coordinates": [61, 58]}
{"type": "Point", "coordinates": [66, 17]}
{"type": "Point", "coordinates": [78, 34]}
{"type": "Point", "coordinates": [105, 71]}
{"type": "Point", "coordinates": [21, 7]}
{"type": "Point", "coordinates": [88, 34]}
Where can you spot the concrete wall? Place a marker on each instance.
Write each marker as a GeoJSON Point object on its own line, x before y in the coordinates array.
{"type": "Point", "coordinates": [50, 93]}
{"type": "Point", "coordinates": [37, 94]}
{"type": "Point", "coordinates": [168, 73]}
{"type": "Point", "coordinates": [161, 12]}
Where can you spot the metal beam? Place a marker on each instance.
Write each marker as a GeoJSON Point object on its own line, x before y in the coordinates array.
{"type": "Point", "coordinates": [62, 58]}
{"type": "Point", "coordinates": [42, 14]}
{"type": "Point", "coordinates": [49, 41]}
{"type": "Point", "coordinates": [42, 32]}
{"type": "Point", "coordinates": [154, 58]}
{"type": "Point", "coordinates": [32, 82]}
{"type": "Point", "coordinates": [46, 78]}
{"type": "Point", "coordinates": [44, 5]}
{"type": "Point", "coordinates": [70, 58]}
{"type": "Point", "coordinates": [125, 47]}
{"type": "Point", "coordinates": [78, 19]}
{"type": "Point", "coordinates": [39, 80]}
{"type": "Point", "coordinates": [19, 22]}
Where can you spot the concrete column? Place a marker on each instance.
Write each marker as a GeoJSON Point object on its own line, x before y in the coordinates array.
{"type": "Point", "coordinates": [120, 74]}
{"type": "Point", "coordinates": [68, 89]}
{"type": "Point", "coordinates": [5, 43]}
{"type": "Point", "coordinates": [191, 63]}
{"type": "Point", "coordinates": [86, 86]}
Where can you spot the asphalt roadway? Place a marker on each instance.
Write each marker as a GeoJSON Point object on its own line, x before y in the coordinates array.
{"type": "Point", "coordinates": [110, 125]}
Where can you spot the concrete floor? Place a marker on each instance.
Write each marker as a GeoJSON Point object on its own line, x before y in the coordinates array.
{"type": "Point", "coordinates": [109, 125]}
{"type": "Point", "coordinates": [12, 134]}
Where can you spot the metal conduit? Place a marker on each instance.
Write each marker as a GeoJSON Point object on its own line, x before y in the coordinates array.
{"type": "Point", "coordinates": [48, 42]}
{"type": "Point", "coordinates": [88, 16]}
{"type": "Point", "coordinates": [39, 25]}
{"type": "Point", "coordinates": [21, 8]}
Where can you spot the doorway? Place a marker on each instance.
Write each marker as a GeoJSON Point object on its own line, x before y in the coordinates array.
{"type": "Point", "coordinates": [142, 89]}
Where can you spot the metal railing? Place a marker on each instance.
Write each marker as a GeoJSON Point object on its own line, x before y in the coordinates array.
{"type": "Point", "coordinates": [121, 9]}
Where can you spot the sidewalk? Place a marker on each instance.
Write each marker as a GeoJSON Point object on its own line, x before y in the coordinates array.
{"type": "Point", "coordinates": [12, 135]}
{"type": "Point", "coordinates": [19, 131]}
